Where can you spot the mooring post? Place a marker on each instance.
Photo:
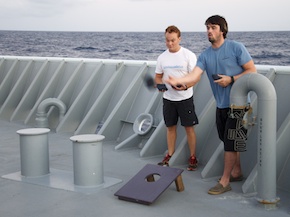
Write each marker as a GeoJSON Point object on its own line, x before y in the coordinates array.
{"type": "Point", "coordinates": [34, 151]}
{"type": "Point", "coordinates": [88, 159]}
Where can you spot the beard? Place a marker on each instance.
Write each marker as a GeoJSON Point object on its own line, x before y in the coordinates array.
{"type": "Point", "coordinates": [211, 40]}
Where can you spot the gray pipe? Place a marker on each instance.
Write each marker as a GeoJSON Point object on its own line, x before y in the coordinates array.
{"type": "Point", "coordinates": [267, 121]}
{"type": "Point", "coordinates": [41, 115]}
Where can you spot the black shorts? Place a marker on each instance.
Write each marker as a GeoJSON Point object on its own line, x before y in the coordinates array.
{"type": "Point", "coordinates": [231, 130]}
{"type": "Point", "coordinates": [183, 109]}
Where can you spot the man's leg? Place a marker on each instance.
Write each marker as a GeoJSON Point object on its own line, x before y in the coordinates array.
{"type": "Point", "coordinates": [191, 140]}
{"type": "Point", "coordinates": [237, 170]}
{"type": "Point", "coordinates": [224, 183]}
{"type": "Point", "coordinates": [171, 139]}
{"type": "Point", "coordinates": [230, 159]}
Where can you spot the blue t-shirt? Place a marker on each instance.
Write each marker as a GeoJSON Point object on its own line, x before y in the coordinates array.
{"type": "Point", "coordinates": [226, 60]}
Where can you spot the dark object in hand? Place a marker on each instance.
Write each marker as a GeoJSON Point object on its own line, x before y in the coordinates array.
{"type": "Point", "coordinates": [216, 77]}
{"type": "Point", "coordinates": [177, 86]}
{"type": "Point", "coordinates": [161, 87]}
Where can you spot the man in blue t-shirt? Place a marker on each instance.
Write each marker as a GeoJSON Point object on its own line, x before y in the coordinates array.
{"type": "Point", "coordinates": [224, 61]}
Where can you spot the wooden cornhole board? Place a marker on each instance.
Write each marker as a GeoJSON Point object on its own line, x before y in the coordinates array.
{"type": "Point", "coordinates": [142, 188]}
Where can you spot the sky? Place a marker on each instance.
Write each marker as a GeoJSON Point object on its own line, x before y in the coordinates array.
{"type": "Point", "coordinates": [142, 15]}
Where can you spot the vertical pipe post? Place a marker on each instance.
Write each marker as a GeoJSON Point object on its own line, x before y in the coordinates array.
{"type": "Point", "coordinates": [266, 162]}
{"type": "Point", "coordinates": [267, 112]}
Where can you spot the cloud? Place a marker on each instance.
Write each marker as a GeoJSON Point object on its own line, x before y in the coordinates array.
{"type": "Point", "coordinates": [47, 8]}
{"type": "Point", "coordinates": [39, 8]}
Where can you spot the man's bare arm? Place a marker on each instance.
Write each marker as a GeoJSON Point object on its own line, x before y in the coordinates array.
{"type": "Point", "coordinates": [189, 80]}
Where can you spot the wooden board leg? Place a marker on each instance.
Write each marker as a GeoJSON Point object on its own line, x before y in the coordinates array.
{"type": "Point", "coordinates": [150, 178]}
{"type": "Point", "coordinates": [179, 184]}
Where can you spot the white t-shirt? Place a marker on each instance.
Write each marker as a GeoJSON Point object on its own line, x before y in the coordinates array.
{"type": "Point", "coordinates": [176, 64]}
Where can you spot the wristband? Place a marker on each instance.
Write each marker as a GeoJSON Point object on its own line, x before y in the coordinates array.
{"type": "Point", "coordinates": [233, 80]}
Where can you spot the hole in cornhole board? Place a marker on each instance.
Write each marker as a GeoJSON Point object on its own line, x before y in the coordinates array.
{"type": "Point", "coordinates": [152, 177]}
{"type": "Point", "coordinates": [149, 183]}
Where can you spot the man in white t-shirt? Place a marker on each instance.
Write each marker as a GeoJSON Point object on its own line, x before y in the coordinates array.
{"type": "Point", "coordinates": [177, 61]}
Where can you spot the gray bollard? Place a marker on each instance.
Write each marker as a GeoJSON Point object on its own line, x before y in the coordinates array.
{"type": "Point", "coordinates": [88, 159]}
{"type": "Point", "coordinates": [34, 154]}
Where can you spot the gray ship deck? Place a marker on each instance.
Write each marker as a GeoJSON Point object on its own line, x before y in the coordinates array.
{"type": "Point", "coordinates": [20, 198]}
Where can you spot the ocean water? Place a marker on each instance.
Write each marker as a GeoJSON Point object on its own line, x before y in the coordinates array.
{"type": "Point", "coordinates": [266, 48]}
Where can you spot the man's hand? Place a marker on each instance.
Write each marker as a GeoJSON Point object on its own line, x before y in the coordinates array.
{"type": "Point", "coordinates": [224, 81]}
{"type": "Point", "coordinates": [172, 81]}
{"type": "Point", "coordinates": [180, 87]}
